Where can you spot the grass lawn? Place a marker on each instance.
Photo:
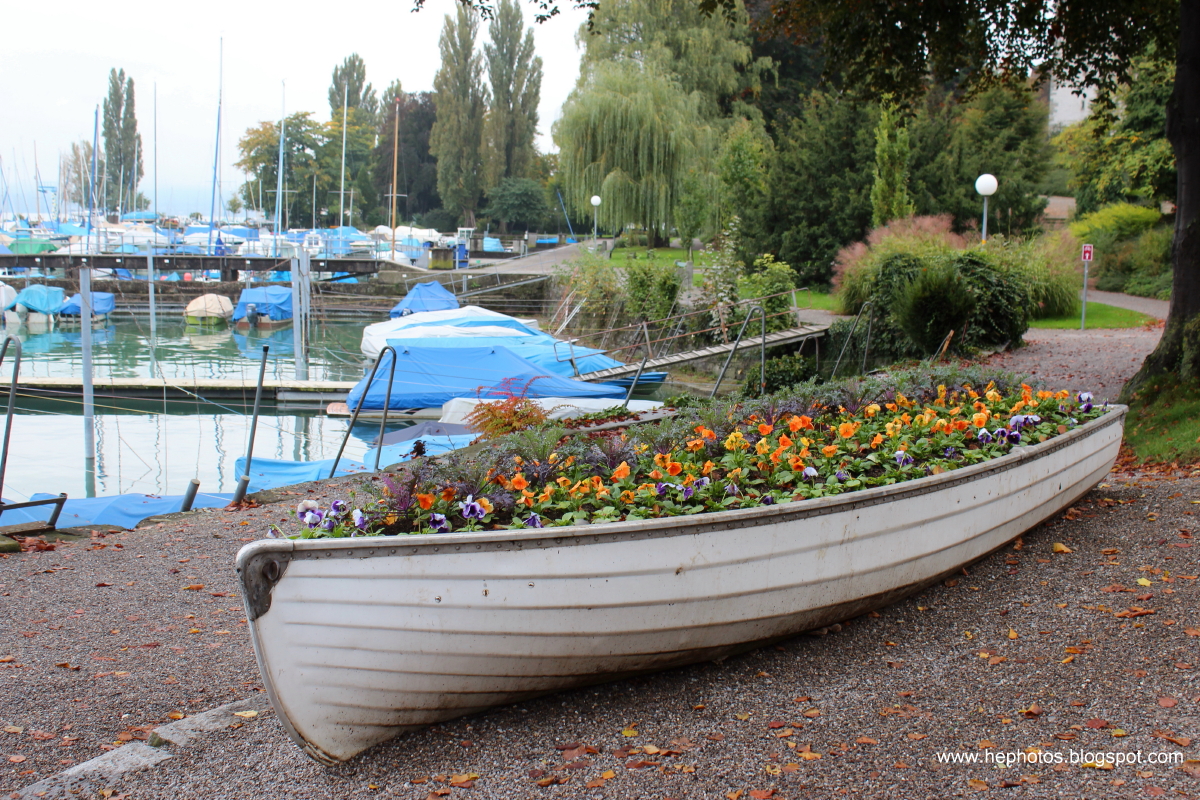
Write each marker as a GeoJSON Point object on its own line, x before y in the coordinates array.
{"type": "Point", "coordinates": [820, 299]}
{"type": "Point", "coordinates": [1098, 316]}
{"type": "Point", "coordinates": [1164, 421]}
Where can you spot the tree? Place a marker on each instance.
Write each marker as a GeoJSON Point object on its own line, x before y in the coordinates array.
{"type": "Point", "coordinates": [742, 169]}
{"type": "Point", "coordinates": [349, 87]}
{"type": "Point", "coordinates": [707, 54]}
{"type": "Point", "coordinates": [892, 47]}
{"type": "Point", "coordinates": [889, 194]}
{"type": "Point", "coordinates": [820, 176]}
{"type": "Point", "coordinates": [417, 167]}
{"type": "Point", "coordinates": [456, 139]}
{"type": "Point", "coordinates": [76, 171]}
{"type": "Point", "coordinates": [629, 134]}
{"type": "Point", "coordinates": [122, 142]}
{"type": "Point", "coordinates": [259, 150]}
{"type": "Point", "coordinates": [515, 75]}
{"type": "Point", "coordinates": [234, 205]}
{"type": "Point", "coordinates": [1120, 153]}
{"type": "Point", "coordinates": [694, 208]}
{"type": "Point", "coordinates": [520, 200]}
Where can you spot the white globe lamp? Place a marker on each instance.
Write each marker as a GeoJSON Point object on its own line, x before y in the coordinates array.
{"type": "Point", "coordinates": [595, 216]}
{"type": "Point", "coordinates": [986, 185]}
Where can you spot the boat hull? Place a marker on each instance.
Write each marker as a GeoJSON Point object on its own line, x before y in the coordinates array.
{"type": "Point", "coordinates": [358, 640]}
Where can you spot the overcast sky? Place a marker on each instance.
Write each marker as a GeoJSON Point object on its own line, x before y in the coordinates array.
{"type": "Point", "coordinates": [55, 61]}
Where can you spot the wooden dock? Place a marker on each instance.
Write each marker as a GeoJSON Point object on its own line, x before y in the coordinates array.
{"type": "Point", "coordinates": [748, 345]}
{"type": "Point", "coordinates": [313, 395]}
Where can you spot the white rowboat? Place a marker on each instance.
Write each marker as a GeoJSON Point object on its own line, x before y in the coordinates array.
{"type": "Point", "coordinates": [361, 639]}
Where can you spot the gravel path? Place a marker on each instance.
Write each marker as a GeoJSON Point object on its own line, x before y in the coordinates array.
{"type": "Point", "coordinates": [976, 662]}
{"type": "Point", "coordinates": [1100, 361]}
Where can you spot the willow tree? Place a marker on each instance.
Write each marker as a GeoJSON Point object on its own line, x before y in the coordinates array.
{"type": "Point", "coordinates": [515, 75]}
{"type": "Point", "coordinates": [705, 53]}
{"type": "Point", "coordinates": [349, 86]}
{"type": "Point", "coordinates": [457, 135]}
{"type": "Point", "coordinates": [630, 134]}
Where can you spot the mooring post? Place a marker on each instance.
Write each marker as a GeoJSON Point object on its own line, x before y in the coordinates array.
{"type": "Point", "coordinates": [244, 483]}
{"type": "Point", "coordinates": [12, 399]}
{"type": "Point", "coordinates": [189, 496]}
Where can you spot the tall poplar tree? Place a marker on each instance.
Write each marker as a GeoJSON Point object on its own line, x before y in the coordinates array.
{"type": "Point", "coordinates": [457, 136]}
{"type": "Point", "coordinates": [122, 143]}
{"type": "Point", "coordinates": [515, 75]}
{"type": "Point", "coordinates": [349, 84]}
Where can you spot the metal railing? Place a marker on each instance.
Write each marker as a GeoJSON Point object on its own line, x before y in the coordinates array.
{"type": "Point", "coordinates": [387, 401]}
{"type": "Point", "coordinates": [850, 337]}
{"type": "Point", "coordinates": [762, 355]}
{"type": "Point", "coordinates": [57, 502]}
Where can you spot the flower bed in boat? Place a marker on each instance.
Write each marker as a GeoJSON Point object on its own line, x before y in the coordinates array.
{"type": "Point", "coordinates": [811, 441]}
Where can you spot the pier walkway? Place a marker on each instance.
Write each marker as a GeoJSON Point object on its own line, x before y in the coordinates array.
{"type": "Point", "coordinates": [291, 393]}
{"type": "Point", "coordinates": [748, 345]}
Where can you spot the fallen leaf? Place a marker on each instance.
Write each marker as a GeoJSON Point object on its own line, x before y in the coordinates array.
{"type": "Point", "coordinates": [812, 713]}
{"type": "Point", "coordinates": [734, 795]}
{"type": "Point", "coordinates": [16, 759]}
{"type": "Point", "coordinates": [629, 732]}
{"type": "Point", "coordinates": [595, 783]}
{"type": "Point", "coordinates": [916, 737]}
{"type": "Point", "coordinates": [742, 715]}
{"type": "Point", "coordinates": [544, 782]}
{"type": "Point", "coordinates": [1182, 741]}
{"type": "Point", "coordinates": [66, 665]}
{"type": "Point", "coordinates": [1192, 631]}
{"type": "Point", "coordinates": [102, 585]}
{"type": "Point", "coordinates": [977, 785]}
{"type": "Point", "coordinates": [762, 794]}
{"type": "Point", "coordinates": [1012, 634]}
{"type": "Point", "coordinates": [1144, 582]}
{"type": "Point", "coordinates": [1097, 764]}
{"type": "Point", "coordinates": [866, 740]}
{"type": "Point", "coordinates": [1034, 710]}
{"type": "Point", "coordinates": [246, 714]}
{"type": "Point", "coordinates": [193, 587]}
{"type": "Point", "coordinates": [464, 781]}
{"type": "Point", "coordinates": [12, 729]}
{"type": "Point", "coordinates": [1167, 702]}
{"type": "Point", "coordinates": [1058, 547]}
{"type": "Point", "coordinates": [608, 774]}
{"type": "Point", "coordinates": [986, 744]}
{"type": "Point", "coordinates": [7, 659]}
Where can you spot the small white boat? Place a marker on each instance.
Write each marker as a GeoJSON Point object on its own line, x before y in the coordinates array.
{"type": "Point", "coordinates": [359, 640]}
{"type": "Point", "coordinates": [209, 309]}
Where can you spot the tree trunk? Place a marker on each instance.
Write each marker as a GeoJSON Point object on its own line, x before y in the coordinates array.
{"type": "Point", "coordinates": [1179, 349]}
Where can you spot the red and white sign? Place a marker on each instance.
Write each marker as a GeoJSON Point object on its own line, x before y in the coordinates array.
{"type": "Point", "coordinates": [1087, 252]}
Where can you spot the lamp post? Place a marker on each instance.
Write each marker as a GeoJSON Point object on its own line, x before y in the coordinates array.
{"type": "Point", "coordinates": [986, 185]}
{"type": "Point", "coordinates": [595, 218]}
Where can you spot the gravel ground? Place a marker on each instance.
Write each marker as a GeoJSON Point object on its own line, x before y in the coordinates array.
{"type": "Point", "coordinates": [952, 670]}
{"type": "Point", "coordinates": [1098, 360]}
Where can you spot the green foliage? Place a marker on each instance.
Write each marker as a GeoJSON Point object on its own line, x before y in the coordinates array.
{"type": "Point", "coordinates": [122, 143]}
{"type": "Point", "coordinates": [707, 55]}
{"type": "Point", "coordinates": [1164, 420]}
{"type": "Point", "coordinates": [1140, 265]}
{"type": "Point", "coordinates": [742, 168]}
{"type": "Point", "coordinates": [1120, 152]}
{"type": "Point", "coordinates": [820, 185]}
{"type": "Point", "coordinates": [519, 200]}
{"type": "Point", "coordinates": [769, 279]}
{"type": "Point", "coordinates": [937, 301]}
{"type": "Point", "coordinates": [782, 372]}
{"type": "Point", "coordinates": [1114, 222]}
{"type": "Point", "coordinates": [457, 135]}
{"type": "Point", "coordinates": [595, 280]}
{"type": "Point", "coordinates": [889, 194]}
{"type": "Point", "coordinates": [1047, 266]}
{"type": "Point", "coordinates": [650, 289]}
{"type": "Point", "coordinates": [693, 209]}
{"type": "Point", "coordinates": [439, 219]}
{"type": "Point", "coordinates": [349, 87]}
{"type": "Point", "coordinates": [515, 75]}
{"type": "Point", "coordinates": [1003, 302]}
{"type": "Point", "coordinates": [629, 134]}
{"type": "Point", "coordinates": [416, 167]}
{"type": "Point", "coordinates": [304, 138]}
{"type": "Point", "coordinates": [722, 273]}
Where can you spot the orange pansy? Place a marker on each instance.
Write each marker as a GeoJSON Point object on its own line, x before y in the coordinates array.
{"type": "Point", "coordinates": [621, 472]}
{"type": "Point", "coordinates": [425, 501]}
{"type": "Point", "coordinates": [519, 483]}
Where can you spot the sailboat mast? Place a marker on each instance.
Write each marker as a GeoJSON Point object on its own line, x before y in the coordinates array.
{"type": "Point", "coordinates": [212, 215]}
{"type": "Point", "coordinates": [279, 171]}
{"type": "Point", "coordinates": [342, 191]}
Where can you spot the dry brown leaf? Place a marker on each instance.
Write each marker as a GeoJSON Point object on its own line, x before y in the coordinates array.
{"type": "Point", "coordinates": [866, 740]}
{"type": "Point", "coordinates": [977, 785]}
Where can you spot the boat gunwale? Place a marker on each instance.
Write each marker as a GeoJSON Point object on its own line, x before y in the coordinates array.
{"type": "Point", "coordinates": [660, 527]}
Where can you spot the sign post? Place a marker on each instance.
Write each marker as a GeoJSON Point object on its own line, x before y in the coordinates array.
{"type": "Point", "coordinates": [1088, 251]}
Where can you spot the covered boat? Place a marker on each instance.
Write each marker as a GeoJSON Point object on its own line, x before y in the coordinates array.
{"type": "Point", "coordinates": [361, 639]}
{"type": "Point", "coordinates": [428, 296]}
{"type": "Point", "coordinates": [209, 309]}
{"type": "Point", "coordinates": [39, 299]}
{"type": "Point", "coordinates": [465, 321]}
{"type": "Point", "coordinates": [428, 377]}
{"type": "Point", "coordinates": [264, 307]}
{"type": "Point", "coordinates": [103, 304]}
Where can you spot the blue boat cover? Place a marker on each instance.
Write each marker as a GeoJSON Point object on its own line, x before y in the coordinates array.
{"type": "Point", "coordinates": [492, 245]}
{"type": "Point", "coordinates": [538, 350]}
{"type": "Point", "coordinates": [67, 229]}
{"type": "Point", "coordinates": [4, 251]}
{"type": "Point", "coordinates": [42, 299]}
{"type": "Point", "coordinates": [123, 510]}
{"type": "Point", "coordinates": [273, 301]}
{"type": "Point", "coordinates": [139, 216]}
{"type": "Point", "coordinates": [427, 296]}
{"type": "Point", "coordinates": [102, 303]}
{"type": "Point", "coordinates": [427, 377]}
{"type": "Point", "coordinates": [267, 473]}
{"type": "Point", "coordinates": [124, 274]}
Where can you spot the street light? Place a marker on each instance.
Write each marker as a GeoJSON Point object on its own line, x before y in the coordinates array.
{"type": "Point", "coordinates": [986, 185]}
{"type": "Point", "coordinates": [595, 217]}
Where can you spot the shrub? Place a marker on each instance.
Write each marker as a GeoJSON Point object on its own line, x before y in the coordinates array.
{"type": "Point", "coordinates": [857, 266]}
{"type": "Point", "coordinates": [770, 280]}
{"type": "Point", "coordinates": [514, 412]}
{"type": "Point", "coordinates": [1003, 302]}
{"type": "Point", "coordinates": [1140, 265]}
{"type": "Point", "coordinates": [1115, 222]}
{"type": "Point", "coordinates": [782, 372]}
{"type": "Point", "coordinates": [650, 288]}
{"type": "Point", "coordinates": [938, 300]}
